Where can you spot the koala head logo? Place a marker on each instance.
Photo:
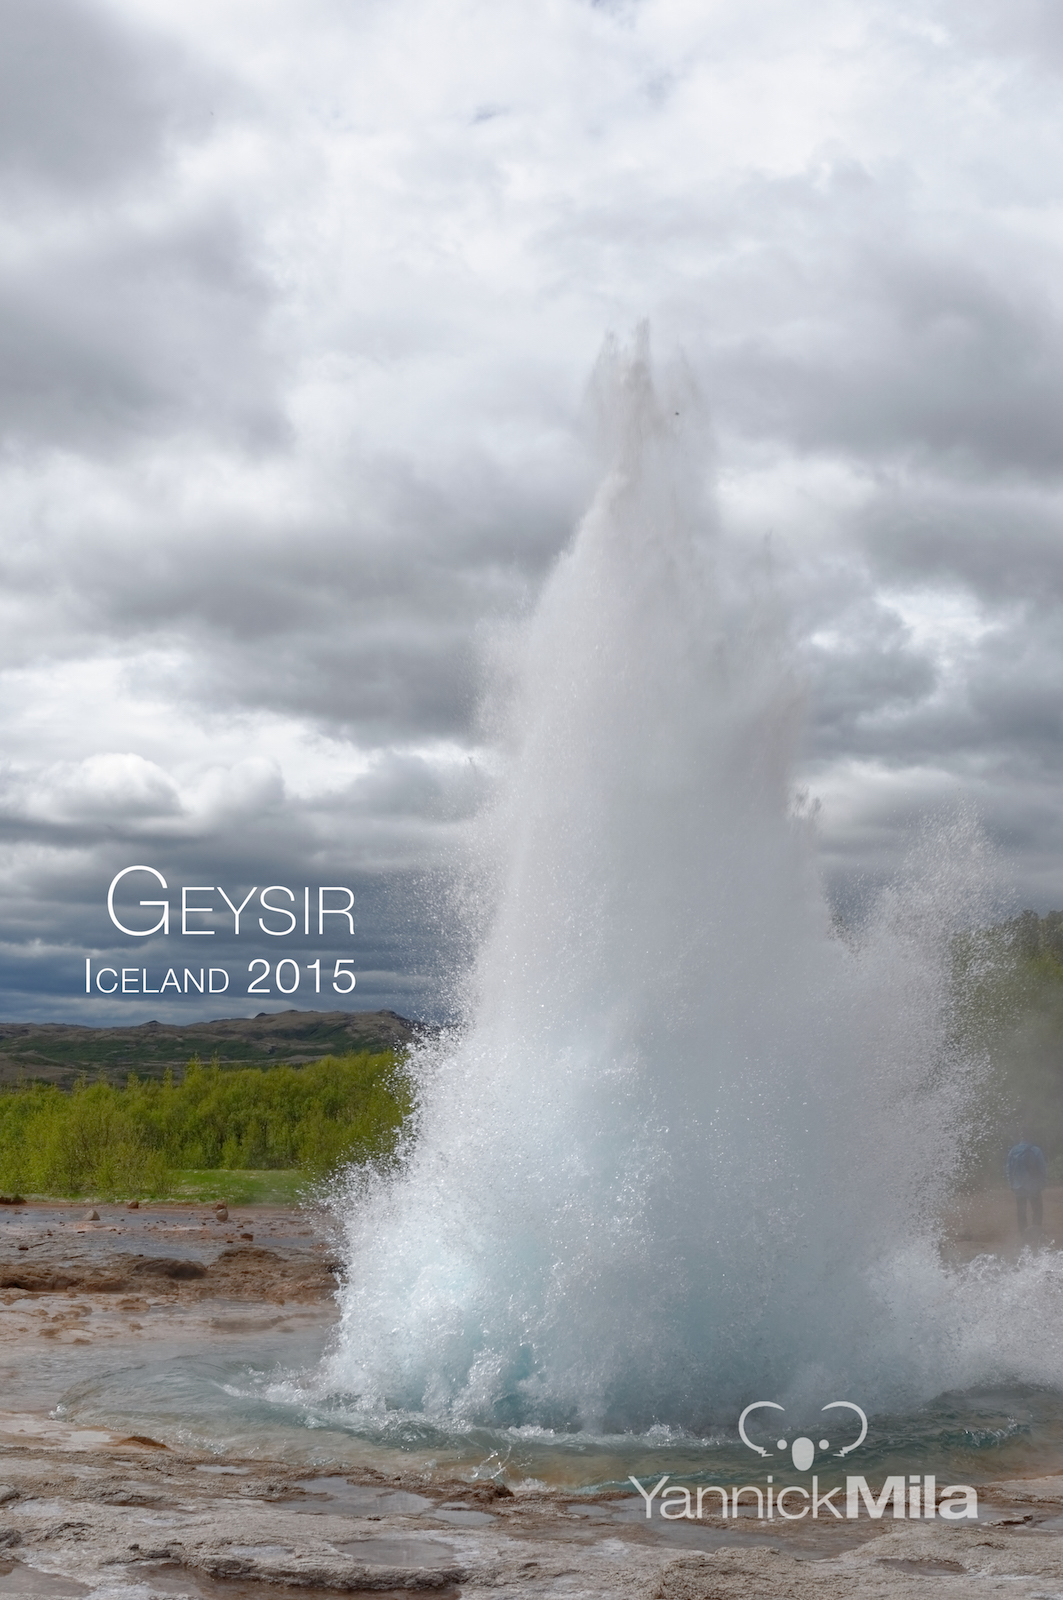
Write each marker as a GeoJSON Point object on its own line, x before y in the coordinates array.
{"type": "Point", "coordinates": [802, 1451]}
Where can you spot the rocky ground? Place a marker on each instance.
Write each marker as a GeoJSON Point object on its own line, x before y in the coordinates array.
{"type": "Point", "coordinates": [88, 1510]}
{"type": "Point", "coordinates": [122, 1519]}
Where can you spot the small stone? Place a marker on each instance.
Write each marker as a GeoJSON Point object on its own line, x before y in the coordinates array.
{"type": "Point", "coordinates": [134, 1205]}
{"type": "Point", "coordinates": [221, 1213]}
{"type": "Point", "coordinates": [92, 1216]}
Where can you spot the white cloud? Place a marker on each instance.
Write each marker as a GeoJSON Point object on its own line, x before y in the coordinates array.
{"type": "Point", "coordinates": [297, 308]}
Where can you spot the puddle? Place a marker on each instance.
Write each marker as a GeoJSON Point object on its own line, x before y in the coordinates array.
{"type": "Point", "coordinates": [807, 1541]}
{"type": "Point", "coordinates": [332, 1494]}
{"type": "Point", "coordinates": [398, 1552]}
{"type": "Point", "coordinates": [464, 1517]}
{"type": "Point", "coordinates": [18, 1579]}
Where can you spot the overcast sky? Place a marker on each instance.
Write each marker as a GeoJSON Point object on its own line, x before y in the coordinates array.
{"type": "Point", "coordinates": [298, 303]}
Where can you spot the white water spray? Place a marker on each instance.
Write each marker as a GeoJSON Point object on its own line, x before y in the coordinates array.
{"type": "Point", "coordinates": [690, 1149]}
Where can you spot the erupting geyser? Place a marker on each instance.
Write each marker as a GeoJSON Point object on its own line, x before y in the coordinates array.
{"type": "Point", "coordinates": [689, 1149]}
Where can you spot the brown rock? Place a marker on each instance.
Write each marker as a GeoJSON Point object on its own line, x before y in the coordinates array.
{"type": "Point", "coordinates": [166, 1267]}
{"type": "Point", "coordinates": [37, 1280]}
{"type": "Point", "coordinates": [479, 1493]}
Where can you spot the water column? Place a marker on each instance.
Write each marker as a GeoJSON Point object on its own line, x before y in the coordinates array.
{"type": "Point", "coordinates": [667, 1163]}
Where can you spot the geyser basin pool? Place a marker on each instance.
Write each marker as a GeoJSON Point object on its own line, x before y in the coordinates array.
{"type": "Point", "coordinates": [242, 1379]}
{"type": "Point", "coordinates": [250, 1405]}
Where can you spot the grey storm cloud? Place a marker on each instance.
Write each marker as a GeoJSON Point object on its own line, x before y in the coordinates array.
{"type": "Point", "coordinates": [917, 357]}
{"type": "Point", "coordinates": [1000, 540]}
{"type": "Point", "coordinates": [298, 306]}
{"type": "Point", "coordinates": [118, 316]}
{"type": "Point", "coordinates": [131, 335]}
{"type": "Point", "coordinates": [85, 102]}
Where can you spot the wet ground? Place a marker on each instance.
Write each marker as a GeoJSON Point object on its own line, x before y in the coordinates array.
{"type": "Point", "coordinates": [105, 1493]}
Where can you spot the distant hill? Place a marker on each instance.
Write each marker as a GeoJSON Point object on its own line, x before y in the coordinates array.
{"type": "Point", "coordinates": [59, 1053]}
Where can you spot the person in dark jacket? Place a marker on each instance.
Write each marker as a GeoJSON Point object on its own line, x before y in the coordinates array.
{"type": "Point", "coordinates": [1027, 1176]}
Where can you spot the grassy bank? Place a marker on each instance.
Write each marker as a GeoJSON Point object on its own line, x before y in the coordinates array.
{"type": "Point", "coordinates": [163, 1138]}
{"type": "Point", "coordinates": [266, 1186]}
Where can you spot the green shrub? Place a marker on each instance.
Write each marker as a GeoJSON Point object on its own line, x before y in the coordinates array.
{"type": "Point", "coordinates": [108, 1141]}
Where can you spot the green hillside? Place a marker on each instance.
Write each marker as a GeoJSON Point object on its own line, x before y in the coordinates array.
{"type": "Point", "coordinates": [60, 1053]}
